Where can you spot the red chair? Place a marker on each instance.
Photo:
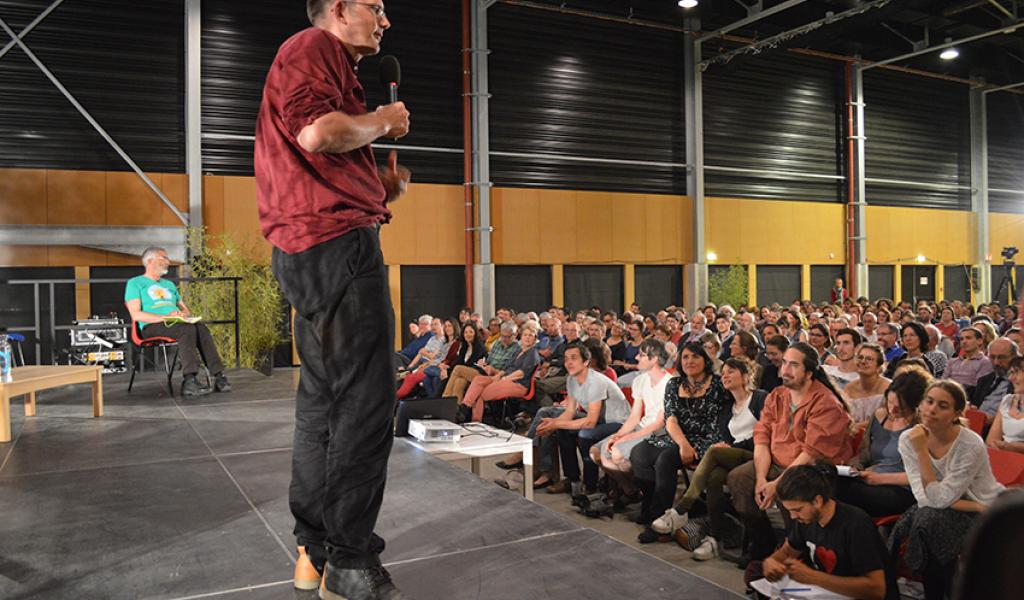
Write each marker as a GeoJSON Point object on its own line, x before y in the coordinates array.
{"type": "Point", "coordinates": [1007, 466]}
{"type": "Point", "coordinates": [504, 419]}
{"type": "Point", "coordinates": [976, 420]}
{"type": "Point", "coordinates": [138, 355]}
{"type": "Point", "coordinates": [629, 396]}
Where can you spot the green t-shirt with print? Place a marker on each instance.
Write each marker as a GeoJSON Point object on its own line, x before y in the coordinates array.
{"type": "Point", "coordinates": [158, 297]}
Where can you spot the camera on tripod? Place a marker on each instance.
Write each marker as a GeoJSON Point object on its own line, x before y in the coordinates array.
{"type": "Point", "coordinates": [1009, 252]}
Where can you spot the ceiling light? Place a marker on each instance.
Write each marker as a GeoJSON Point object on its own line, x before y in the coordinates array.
{"type": "Point", "coordinates": [687, 3]}
{"type": "Point", "coordinates": [712, 257]}
{"type": "Point", "coordinates": [949, 53]}
{"type": "Point", "coordinates": [921, 258]}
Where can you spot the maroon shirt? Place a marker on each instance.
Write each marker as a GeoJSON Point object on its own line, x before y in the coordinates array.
{"type": "Point", "coordinates": [306, 199]}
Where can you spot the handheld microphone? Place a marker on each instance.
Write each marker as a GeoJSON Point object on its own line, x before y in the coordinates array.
{"type": "Point", "coordinates": [390, 77]}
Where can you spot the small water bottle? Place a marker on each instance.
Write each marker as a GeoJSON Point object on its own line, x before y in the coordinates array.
{"type": "Point", "coordinates": [6, 360]}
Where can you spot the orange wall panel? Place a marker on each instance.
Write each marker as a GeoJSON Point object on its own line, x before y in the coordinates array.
{"type": "Point", "coordinates": [22, 196]}
{"type": "Point", "coordinates": [76, 197]}
{"type": "Point", "coordinates": [1006, 230]}
{"type": "Point", "coordinates": [129, 200]}
{"type": "Point", "coordinates": [427, 227]}
{"type": "Point", "coordinates": [241, 217]}
{"type": "Point", "coordinates": [175, 187]}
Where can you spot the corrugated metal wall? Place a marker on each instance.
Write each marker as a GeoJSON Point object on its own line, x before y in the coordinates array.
{"type": "Point", "coordinates": [239, 44]}
{"type": "Point", "coordinates": [774, 112]}
{"type": "Point", "coordinates": [123, 61]}
{"type": "Point", "coordinates": [574, 87]}
{"type": "Point", "coordinates": [918, 130]}
{"type": "Point", "coordinates": [1006, 152]}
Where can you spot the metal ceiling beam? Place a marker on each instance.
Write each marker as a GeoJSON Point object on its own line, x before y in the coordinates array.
{"type": "Point", "coordinates": [127, 240]}
{"type": "Point", "coordinates": [1007, 29]}
{"type": "Point", "coordinates": [28, 28]}
{"type": "Point", "coordinates": [193, 113]}
{"type": "Point", "coordinates": [1005, 87]}
{"type": "Point", "coordinates": [750, 18]}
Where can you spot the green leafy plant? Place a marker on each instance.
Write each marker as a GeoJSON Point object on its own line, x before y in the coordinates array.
{"type": "Point", "coordinates": [260, 308]}
{"type": "Point", "coordinates": [729, 286]}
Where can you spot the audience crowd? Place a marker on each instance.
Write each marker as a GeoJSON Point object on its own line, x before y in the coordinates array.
{"type": "Point", "coordinates": [837, 444]}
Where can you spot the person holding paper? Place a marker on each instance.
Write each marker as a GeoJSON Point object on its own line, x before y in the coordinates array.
{"type": "Point", "coordinates": [156, 305]}
{"type": "Point", "coordinates": [832, 549]}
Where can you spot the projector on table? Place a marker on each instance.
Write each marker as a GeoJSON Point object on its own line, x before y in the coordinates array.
{"type": "Point", "coordinates": [434, 430]}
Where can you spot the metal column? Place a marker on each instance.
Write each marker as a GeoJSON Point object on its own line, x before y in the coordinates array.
{"type": "Point", "coordinates": [979, 194]}
{"type": "Point", "coordinates": [483, 271]}
{"type": "Point", "coordinates": [193, 113]}
{"type": "Point", "coordinates": [696, 273]}
{"type": "Point", "coordinates": [860, 195]}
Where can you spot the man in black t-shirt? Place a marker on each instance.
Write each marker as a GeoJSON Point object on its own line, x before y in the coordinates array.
{"type": "Point", "coordinates": [831, 545]}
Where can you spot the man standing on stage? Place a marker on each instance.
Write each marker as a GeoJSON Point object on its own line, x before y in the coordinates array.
{"type": "Point", "coordinates": [322, 201]}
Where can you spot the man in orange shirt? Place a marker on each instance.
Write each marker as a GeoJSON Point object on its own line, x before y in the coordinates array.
{"type": "Point", "coordinates": [803, 420]}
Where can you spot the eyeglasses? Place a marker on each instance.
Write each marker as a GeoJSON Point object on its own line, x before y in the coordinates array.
{"type": "Point", "coordinates": [816, 334]}
{"type": "Point", "coordinates": [1013, 372]}
{"type": "Point", "coordinates": [378, 9]}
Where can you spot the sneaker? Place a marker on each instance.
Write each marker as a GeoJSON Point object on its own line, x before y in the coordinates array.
{"type": "Point", "coordinates": [669, 522]}
{"type": "Point", "coordinates": [220, 383]}
{"type": "Point", "coordinates": [559, 487]}
{"type": "Point", "coordinates": [358, 584]}
{"type": "Point", "coordinates": [190, 386]}
{"type": "Point", "coordinates": [307, 575]}
{"type": "Point", "coordinates": [707, 550]}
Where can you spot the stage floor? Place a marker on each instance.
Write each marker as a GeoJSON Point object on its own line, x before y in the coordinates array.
{"type": "Point", "coordinates": [173, 499]}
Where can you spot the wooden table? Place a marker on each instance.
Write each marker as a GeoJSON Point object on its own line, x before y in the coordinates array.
{"type": "Point", "coordinates": [480, 440]}
{"type": "Point", "coordinates": [29, 380]}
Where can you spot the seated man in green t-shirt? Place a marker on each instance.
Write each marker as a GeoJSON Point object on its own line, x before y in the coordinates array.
{"type": "Point", "coordinates": [151, 300]}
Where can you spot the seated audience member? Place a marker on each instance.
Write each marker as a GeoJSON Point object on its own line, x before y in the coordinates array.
{"type": "Point", "coordinates": [499, 357]}
{"type": "Point", "coordinates": [774, 349]}
{"type": "Point", "coordinates": [1009, 320]}
{"type": "Point", "coordinates": [493, 333]}
{"type": "Point", "coordinates": [420, 339]}
{"type": "Point", "coordinates": [867, 393]}
{"type": "Point", "coordinates": [915, 344]}
{"type": "Point", "coordinates": [551, 377]}
{"type": "Point", "coordinates": [693, 402]}
{"type": "Point", "coordinates": [792, 326]}
{"type": "Point", "coordinates": [470, 349]}
{"type": "Point", "coordinates": [429, 357]}
{"type": "Point", "coordinates": [993, 562]}
{"type": "Point", "coordinates": [601, 358]}
{"type": "Point", "coordinates": [888, 338]}
{"type": "Point", "coordinates": [698, 327]}
{"type": "Point", "coordinates": [595, 329]}
{"type": "Point", "coordinates": [972, 364]}
{"type": "Point", "coordinates": [150, 300]}
{"type": "Point", "coordinates": [627, 368]}
{"type": "Point", "coordinates": [1016, 335]}
{"type": "Point", "coordinates": [511, 382]}
{"type": "Point", "coordinates": [744, 345]}
{"type": "Point", "coordinates": [748, 323]}
{"type": "Point", "coordinates": [550, 337]}
{"type": "Point", "coordinates": [713, 347]}
{"type": "Point", "coordinates": [830, 544]}
{"type": "Point", "coordinates": [935, 355]}
{"type": "Point", "coordinates": [951, 478]}
{"type": "Point", "coordinates": [736, 426]}
{"type": "Point", "coordinates": [1007, 432]}
{"type": "Point", "coordinates": [769, 331]}
{"type": "Point", "coordinates": [650, 322]}
{"type": "Point", "coordinates": [595, 408]}
{"type": "Point", "coordinates": [841, 366]}
{"type": "Point", "coordinates": [617, 341]}
{"type": "Point", "coordinates": [663, 333]}
{"type": "Point", "coordinates": [988, 330]}
{"type": "Point", "coordinates": [880, 486]}
{"type": "Point", "coordinates": [869, 327]}
{"type": "Point", "coordinates": [709, 311]}
{"type": "Point", "coordinates": [801, 421]}
{"type": "Point", "coordinates": [646, 418]}
{"type": "Point", "coordinates": [947, 323]}
{"type": "Point", "coordinates": [820, 339]}
{"type": "Point", "coordinates": [724, 330]}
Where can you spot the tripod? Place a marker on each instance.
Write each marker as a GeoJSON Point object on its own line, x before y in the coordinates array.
{"type": "Point", "coordinates": [1006, 283]}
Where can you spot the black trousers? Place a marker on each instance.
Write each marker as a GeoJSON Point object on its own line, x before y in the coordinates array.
{"type": "Point", "coordinates": [876, 500]}
{"type": "Point", "coordinates": [656, 471]}
{"type": "Point", "coordinates": [344, 410]}
{"type": "Point", "coordinates": [571, 440]}
{"type": "Point", "coordinates": [194, 341]}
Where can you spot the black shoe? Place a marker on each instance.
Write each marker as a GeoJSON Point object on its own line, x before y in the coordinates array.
{"type": "Point", "coordinates": [190, 386]}
{"type": "Point", "coordinates": [509, 466]}
{"type": "Point", "coordinates": [464, 415]}
{"type": "Point", "coordinates": [220, 383]}
{"type": "Point", "coordinates": [359, 584]}
{"type": "Point", "coordinates": [648, 536]}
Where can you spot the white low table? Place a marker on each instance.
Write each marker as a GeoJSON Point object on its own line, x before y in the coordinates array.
{"type": "Point", "coordinates": [480, 441]}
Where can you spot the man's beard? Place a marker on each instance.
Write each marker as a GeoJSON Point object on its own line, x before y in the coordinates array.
{"type": "Point", "coordinates": [163, 271]}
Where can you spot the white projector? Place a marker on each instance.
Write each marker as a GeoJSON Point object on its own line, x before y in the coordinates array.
{"type": "Point", "coordinates": [434, 430]}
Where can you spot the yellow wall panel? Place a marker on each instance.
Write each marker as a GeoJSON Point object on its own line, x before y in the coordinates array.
{"type": "Point", "coordinates": [213, 204]}
{"type": "Point", "coordinates": [628, 229]}
{"type": "Point", "coordinates": [774, 232]}
{"type": "Point", "coordinates": [175, 187]}
{"type": "Point", "coordinates": [427, 227]}
{"type": "Point", "coordinates": [76, 197]}
{"type": "Point", "coordinates": [516, 221]}
{"type": "Point", "coordinates": [558, 232]}
{"type": "Point", "coordinates": [594, 227]}
{"type": "Point", "coordinates": [898, 234]}
{"type": "Point", "coordinates": [1005, 230]}
{"type": "Point", "coordinates": [22, 196]}
{"type": "Point", "coordinates": [241, 217]}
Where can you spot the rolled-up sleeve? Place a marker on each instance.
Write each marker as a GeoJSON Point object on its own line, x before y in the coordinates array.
{"type": "Point", "coordinates": [765, 425]}
{"type": "Point", "coordinates": [828, 431]}
{"type": "Point", "coordinates": [309, 87]}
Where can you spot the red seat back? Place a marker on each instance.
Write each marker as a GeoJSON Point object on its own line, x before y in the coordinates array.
{"type": "Point", "coordinates": [1007, 466]}
{"type": "Point", "coordinates": [976, 420]}
{"type": "Point", "coordinates": [140, 341]}
{"type": "Point", "coordinates": [629, 396]}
